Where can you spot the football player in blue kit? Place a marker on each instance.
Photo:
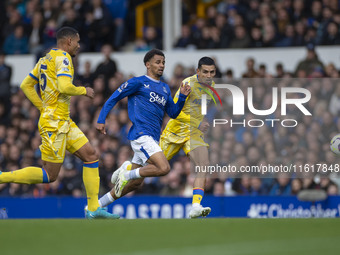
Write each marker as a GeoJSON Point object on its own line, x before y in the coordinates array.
{"type": "Point", "coordinates": [148, 100]}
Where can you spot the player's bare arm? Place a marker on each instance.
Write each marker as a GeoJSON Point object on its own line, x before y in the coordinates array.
{"type": "Point", "coordinates": [204, 126]}
{"type": "Point", "coordinates": [90, 92]}
{"type": "Point", "coordinates": [185, 89]}
{"type": "Point", "coordinates": [101, 128]}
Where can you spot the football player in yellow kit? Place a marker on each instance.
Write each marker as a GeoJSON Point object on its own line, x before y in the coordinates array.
{"type": "Point", "coordinates": [185, 132]}
{"type": "Point", "coordinates": [54, 74]}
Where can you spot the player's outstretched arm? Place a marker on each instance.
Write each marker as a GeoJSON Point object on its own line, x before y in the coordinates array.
{"type": "Point", "coordinates": [101, 128]}
{"type": "Point", "coordinates": [89, 92]}
{"type": "Point", "coordinates": [126, 89]}
{"type": "Point", "coordinates": [185, 89]}
{"type": "Point", "coordinates": [27, 87]}
{"type": "Point", "coordinates": [204, 126]}
{"type": "Point", "coordinates": [65, 86]}
{"type": "Point", "coordinates": [172, 109]}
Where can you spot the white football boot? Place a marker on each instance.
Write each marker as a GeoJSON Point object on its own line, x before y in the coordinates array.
{"type": "Point", "coordinates": [198, 211]}
{"type": "Point", "coordinates": [116, 173]}
{"type": "Point", "coordinates": [121, 181]}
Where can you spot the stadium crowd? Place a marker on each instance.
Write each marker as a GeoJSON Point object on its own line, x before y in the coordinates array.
{"type": "Point", "coordinates": [29, 26]}
{"type": "Point", "coordinates": [307, 143]}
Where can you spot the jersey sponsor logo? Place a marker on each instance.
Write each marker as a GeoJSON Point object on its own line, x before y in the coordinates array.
{"type": "Point", "coordinates": [147, 86]}
{"type": "Point", "coordinates": [156, 98]}
{"type": "Point", "coordinates": [66, 61]}
{"type": "Point", "coordinates": [123, 86]}
{"type": "Point", "coordinates": [197, 101]}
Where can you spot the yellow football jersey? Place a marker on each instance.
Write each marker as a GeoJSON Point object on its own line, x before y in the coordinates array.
{"type": "Point", "coordinates": [56, 105]}
{"type": "Point", "coordinates": [190, 117]}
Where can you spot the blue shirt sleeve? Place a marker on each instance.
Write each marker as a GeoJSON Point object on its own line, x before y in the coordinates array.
{"type": "Point", "coordinates": [172, 109]}
{"type": "Point", "coordinates": [126, 89]}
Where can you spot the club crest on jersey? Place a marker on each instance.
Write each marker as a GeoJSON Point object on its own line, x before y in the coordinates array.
{"type": "Point", "coordinates": [156, 98]}
{"type": "Point", "coordinates": [123, 86]}
{"type": "Point", "coordinates": [66, 61]}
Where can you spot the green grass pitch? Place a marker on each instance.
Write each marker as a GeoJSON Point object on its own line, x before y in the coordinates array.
{"type": "Point", "coordinates": [172, 236]}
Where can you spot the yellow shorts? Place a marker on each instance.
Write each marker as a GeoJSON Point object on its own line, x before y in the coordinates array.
{"type": "Point", "coordinates": [55, 141]}
{"type": "Point", "coordinates": [171, 143]}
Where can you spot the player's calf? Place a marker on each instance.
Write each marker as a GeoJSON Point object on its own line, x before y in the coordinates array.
{"type": "Point", "coordinates": [164, 169]}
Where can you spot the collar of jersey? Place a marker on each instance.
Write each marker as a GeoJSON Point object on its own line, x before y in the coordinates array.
{"type": "Point", "coordinates": [152, 79]}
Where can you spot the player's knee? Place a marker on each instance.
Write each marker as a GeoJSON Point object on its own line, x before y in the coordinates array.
{"type": "Point", "coordinates": [164, 169]}
{"type": "Point", "coordinates": [92, 155]}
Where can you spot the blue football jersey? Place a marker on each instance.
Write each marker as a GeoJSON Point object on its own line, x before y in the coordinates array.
{"type": "Point", "coordinates": [148, 100]}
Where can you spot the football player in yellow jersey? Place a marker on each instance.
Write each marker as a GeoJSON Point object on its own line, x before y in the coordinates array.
{"type": "Point", "coordinates": [54, 75]}
{"type": "Point", "coordinates": [185, 132]}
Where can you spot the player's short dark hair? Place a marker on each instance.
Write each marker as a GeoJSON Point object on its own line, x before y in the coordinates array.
{"type": "Point", "coordinates": [206, 61]}
{"type": "Point", "coordinates": [65, 32]}
{"type": "Point", "coordinates": [149, 55]}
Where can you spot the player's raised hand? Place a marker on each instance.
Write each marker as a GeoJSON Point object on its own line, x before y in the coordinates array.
{"type": "Point", "coordinates": [185, 89]}
{"type": "Point", "coordinates": [204, 127]}
{"type": "Point", "coordinates": [101, 128]}
{"type": "Point", "coordinates": [89, 92]}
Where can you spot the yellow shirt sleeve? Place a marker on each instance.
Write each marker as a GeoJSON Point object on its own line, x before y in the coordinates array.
{"type": "Point", "coordinates": [65, 86]}
{"type": "Point", "coordinates": [27, 87]}
{"type": "Point", "coordinates": [183, 117]}
{"type": "Point", "coordinates": [64, 70]}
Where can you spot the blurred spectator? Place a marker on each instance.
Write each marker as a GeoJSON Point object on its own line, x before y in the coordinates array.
{"type": "Point", "coordinates": [282, 186]}
{"type": "Point", "coordinates": [185, 40]}
{"type": "Point", "coordinates": [71, 18]}
{"type": "Point", "coordinates": [17, 42]}
{"type": "Point", "coordinates": [333, 190]}
{"type": "Point", "coordinates": [5, 83]}
{"type": "Point", "coordinates": [141, 45]}
{"type": "Point", "coordinates": [309, 64]}
{"type": "Point", "coordinates": [288, 38]}
{"type": "Point", "coordinates": [241, 39]}
{"type": "Point", "coordinates": [219, 189]}
{"type": "Point", "coordinates": [49, 34]}
{"type": "Point", "coordinates": [86, 79]}
{"type": "Point", "coordinates": [279, 70]}
{"type": "Point", "coordinates": [334, 104]}
{"type": "Point", "coordinates": [36, 34]}
{"type": "Point", "coordinates": [296, 186]}
{"type": "Point", "coordinates": [256, 187]}
{"type": "Point", "coordinates": [108, 67]}
{"type": "Point", "coordinates": [256, 37]}
{"type": "Point", "coordinates": [98, 25]}
{"type": "Point", "coordinates": [153, 38]}
{"type": "Point", "coordinates": [250, 73]}
{"type": "Point", "coordinates": [118, 10]}
{"type": "Point", "coordinates": [332, 37]}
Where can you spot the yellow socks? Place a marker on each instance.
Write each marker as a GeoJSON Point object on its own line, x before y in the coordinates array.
{"type": "Point", "coordinates": [198, 194]}
{"type": "Point", "coordinates": [27, 175]}
{"type": "Point", "coordinates": [91, 183]}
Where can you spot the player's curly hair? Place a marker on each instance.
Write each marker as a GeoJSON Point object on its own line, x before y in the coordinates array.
{"type": "Point", "coordinates": [66, 32]}
{"type": "Point", "coordinates": [149, 55]}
